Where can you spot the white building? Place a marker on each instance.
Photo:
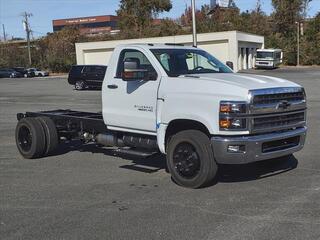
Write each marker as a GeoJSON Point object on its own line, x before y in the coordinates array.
{"type": "Point", "coordinates": [234, 46]}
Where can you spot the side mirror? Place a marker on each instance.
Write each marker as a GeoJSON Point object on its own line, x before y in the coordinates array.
{"type": "Point", "coordinates": [134, 75]}
{"type": "Point", "coordinates": [132, 72]}
{"type": "Point", "coordinates": [230, 64]}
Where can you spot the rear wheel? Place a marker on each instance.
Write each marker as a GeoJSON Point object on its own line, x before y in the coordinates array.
{"type": "Point", "coordinates": [190, 159]}
{"type": "Point", "coordinates": [30, 138]}
{"type": "Point", "coordinates": [51, 134]}
{"type": "Point", "coordinates": [80, 85]}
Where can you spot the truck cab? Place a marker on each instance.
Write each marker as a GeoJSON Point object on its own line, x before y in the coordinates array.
{"type": "Point", "coordinates": [183, 102]}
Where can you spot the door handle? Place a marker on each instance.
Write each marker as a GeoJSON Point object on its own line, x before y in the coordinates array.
{"type": "Point", "coordinates": [113, 86]}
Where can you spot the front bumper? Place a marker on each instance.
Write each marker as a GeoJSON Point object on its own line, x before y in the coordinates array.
{"type": "Point", "coordinates": [253, 146]}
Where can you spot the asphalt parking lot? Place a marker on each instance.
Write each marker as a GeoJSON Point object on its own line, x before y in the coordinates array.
{"type": "Point", "coordinates": [89, 193]}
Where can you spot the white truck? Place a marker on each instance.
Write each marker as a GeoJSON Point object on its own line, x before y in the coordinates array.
{"type": "Point", "coordinates": [184, 103]}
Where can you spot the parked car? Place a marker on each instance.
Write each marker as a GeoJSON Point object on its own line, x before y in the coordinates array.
{"type": "Point", "coordinates": [87, 76]}
{"type": "Point", "coordinates": [31, 72]}
{"type": "Point", "coordinates": [24, 72]}
{"type": "Point", "coordinates": [38, 72]}
{"type": "Point", "coordinates": [9, 73]}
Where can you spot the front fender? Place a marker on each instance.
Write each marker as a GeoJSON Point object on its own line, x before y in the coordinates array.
{"type": "Point", "coordinates": [203, 109]}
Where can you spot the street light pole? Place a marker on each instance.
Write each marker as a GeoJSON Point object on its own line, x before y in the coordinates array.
{"type": "Point", "coordinates": [194, 23]}
{"type": "Point", "coordinates": [298, 44]}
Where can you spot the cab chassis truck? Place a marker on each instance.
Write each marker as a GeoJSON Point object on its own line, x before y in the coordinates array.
{"type": "Point", "coordinates": [182, 102]}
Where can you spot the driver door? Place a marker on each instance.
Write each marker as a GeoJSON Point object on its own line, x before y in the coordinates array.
{"type": "Point", "coordinates": [131, 105]}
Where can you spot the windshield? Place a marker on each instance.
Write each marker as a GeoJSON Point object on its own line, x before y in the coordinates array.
{"type": "Point", "coordinates": [188, 61]}
{"type": "Point", "coordinates": [265, 55]}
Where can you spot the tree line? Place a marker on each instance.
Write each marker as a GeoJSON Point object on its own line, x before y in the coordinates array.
{"type": "Point", "coordinates": [56, 51]}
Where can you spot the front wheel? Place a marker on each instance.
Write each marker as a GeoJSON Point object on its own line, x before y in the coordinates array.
{"type": "Point", "coordinates": [190, 159]}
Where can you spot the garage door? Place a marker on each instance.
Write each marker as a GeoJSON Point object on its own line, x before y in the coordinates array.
{"type": "Point", "coordinates": [97, 57]}
{"type": "Point", "coordinates": [218, 49]}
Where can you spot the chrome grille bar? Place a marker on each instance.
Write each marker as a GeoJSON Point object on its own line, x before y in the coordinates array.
{"type": "Point", "coordinates": [275, 98]}
{"type": "Point", "coordinates": [278, 122]}
{"type": "Point", "coordinates": [263, 101]}
{"type": "Point", "coordinates": [277, 109]}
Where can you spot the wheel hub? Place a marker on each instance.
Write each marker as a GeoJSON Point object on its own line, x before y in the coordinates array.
{"type": "Point", "coordinates": [186, 160]}
{"type": "Point", "coordinates": [25, 138]}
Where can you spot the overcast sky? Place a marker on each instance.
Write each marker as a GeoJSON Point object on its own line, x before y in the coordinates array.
{"type": "Point", "coordinates": [44, 11]}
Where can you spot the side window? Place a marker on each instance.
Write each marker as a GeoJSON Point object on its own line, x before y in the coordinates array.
{"type": "Point", "coordinates": [86, 69]}
{"type": "Point", "coordinates": [144, 63]}
{"type": "Point", "coordinates": [164, 59]}
{"type": "Point", "coordinates": [75, 70]}
{"type": "Point", "coordinates": [99, 70]}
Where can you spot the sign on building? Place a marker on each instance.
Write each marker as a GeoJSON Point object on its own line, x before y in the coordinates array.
{"type": "Point", "coordinates": [221, 3]}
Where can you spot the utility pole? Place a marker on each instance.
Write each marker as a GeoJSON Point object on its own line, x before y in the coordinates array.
{"type": "Point", "coordinates": [4, 33]}
{"type": "Point", "coordinates": [194, 23]}
{"type": "Point", "coordinates": [26, 25]}
{"type": "Point", "coordinates": [298, 44]}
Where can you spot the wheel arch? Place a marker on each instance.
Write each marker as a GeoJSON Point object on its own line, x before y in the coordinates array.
{"type": "Point", "coordinates": [178, 125]}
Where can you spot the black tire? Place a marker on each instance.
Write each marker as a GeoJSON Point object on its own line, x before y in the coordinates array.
{"type": "Point", "coordinates": [30, 138]}
{"type": "Point", "coordinates": [80, 85]}
{"type": "Point", "coordinates": [51, 134]}
{"type": "Point", "coordinates": [193, 170]}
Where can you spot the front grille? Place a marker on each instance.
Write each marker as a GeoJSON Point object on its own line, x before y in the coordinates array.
{"type": "Point", "coordinates": [277, 109]}
{"type": "Point", "coordinates": [281, 144]}
{"type": "Point", "coordinates": [278, 121]}
{"type": "Point", "coordinates": [276, 98]}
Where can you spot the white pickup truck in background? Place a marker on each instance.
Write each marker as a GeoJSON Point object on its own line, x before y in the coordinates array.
{"type": "Point", "coordinates": [184, 103]}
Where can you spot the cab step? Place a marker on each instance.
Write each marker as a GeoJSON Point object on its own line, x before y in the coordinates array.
{"type": "Point", "coordinates": [135, 152]}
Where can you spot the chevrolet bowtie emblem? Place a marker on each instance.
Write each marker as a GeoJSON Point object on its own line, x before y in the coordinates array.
{"type": "Point", "coordinates": [283, 105]}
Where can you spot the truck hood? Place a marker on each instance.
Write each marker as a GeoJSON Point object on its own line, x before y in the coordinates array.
{"type": "Point", "coordinates": [219, 85]}
{"type": "Point", "coordinates": [245, 81]}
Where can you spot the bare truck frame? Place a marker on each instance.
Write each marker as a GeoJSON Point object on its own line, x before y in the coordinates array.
{"type": "Point", "coordinates": [60, 125]}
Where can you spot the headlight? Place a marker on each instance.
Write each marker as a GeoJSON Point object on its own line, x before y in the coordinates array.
{"type": "Point", "coordinates": [230, 115]}
{"type": "Point", "coordinates": [233, 123]}
{"type": "Point", "coordinates": [233, 107]}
